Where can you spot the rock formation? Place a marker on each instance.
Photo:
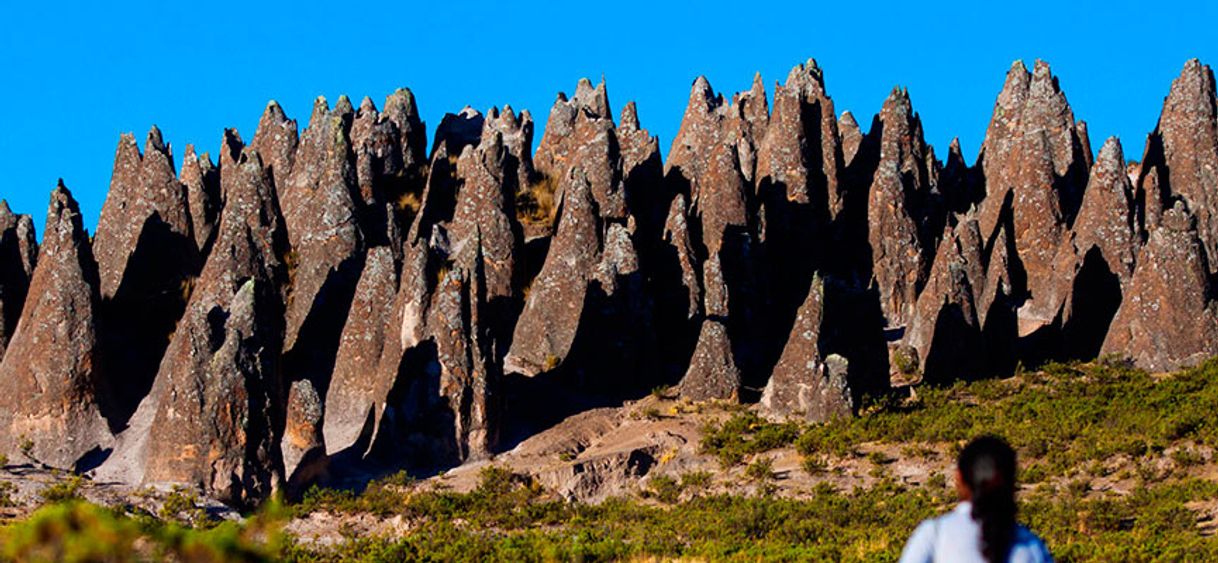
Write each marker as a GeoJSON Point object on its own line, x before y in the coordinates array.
{"type": "Point", "coordinates": [51, 390]}
{"type": "Point", "coordinates": [808, 384]}
{"type": "Point", "coordinates": [1168, 317]}
{"type": "Point", "coordinates": [147, 257]}
{"type": "Point", "coordinates": [337, 303]}
{"type": "Point", "coordinates": [212, 415]}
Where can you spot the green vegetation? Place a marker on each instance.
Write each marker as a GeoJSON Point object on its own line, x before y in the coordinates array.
{"type": "Point", "coordinates": [1072, 424]}
{"type": "Point", "coordinates": [1060, 419]}
{"type": "Point", "coordinates": [60, 491]}
{"type": "Point", "coordinates": [79, 531]}
{"type": "Point", "coordinates": [7, 490]}
{"type": "Point", "coordinates": [745, 434]}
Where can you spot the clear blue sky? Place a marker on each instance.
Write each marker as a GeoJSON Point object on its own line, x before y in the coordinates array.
{"type": "Point", "coordinates": [75, 76]}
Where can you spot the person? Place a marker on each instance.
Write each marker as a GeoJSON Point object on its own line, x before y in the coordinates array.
{"type": "Point", "coordinates": [982, 527]}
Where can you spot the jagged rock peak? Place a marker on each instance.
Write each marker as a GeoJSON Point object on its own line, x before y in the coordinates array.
{"type": "Point", "coordinates": [1182, 155]}
{"type": "Point", "coordinates": [552, 311]}
{"type": "Point", "coordinates": [202, 181]}
{"type": "Point", "coordinates": [1107, 218]}
{"type": "Point", "coordinates": [630, 117]}
{"type": "Point", "coordinates": [1168, 318]}
{"type": "Point", "coordinates": [276, 139]}
{"type": "Point", "coordinates": [142, 187]}
{"type": "Point", "coordinates": [51, 391]}
{"type": "Point", "coordinates": [806, 385]}
{"type": "Point", "coordinates": [852, 136]}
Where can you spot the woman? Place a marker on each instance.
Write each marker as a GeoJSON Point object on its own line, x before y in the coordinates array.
{"type": "Point", "coordinates": [982, 527]}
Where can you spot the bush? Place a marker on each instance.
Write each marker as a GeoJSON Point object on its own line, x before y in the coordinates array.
{"type": "Point", "coordinates": [7, 490]}
{"type": "Point", "coordinates": [664, 488]}
{"type": "Point", "coordinates": [64, 490]}
{"type": "Point", "coordinates": [761, 470]}
{"type": "Point", "coordinates": [745, 434]}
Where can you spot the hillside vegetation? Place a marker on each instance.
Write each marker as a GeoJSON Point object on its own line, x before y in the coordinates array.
{"type": "Point", "coordinates": [1117, 464]}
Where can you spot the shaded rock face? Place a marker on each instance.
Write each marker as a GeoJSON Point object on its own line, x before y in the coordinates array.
{"type": "Point", "coordinates": [51, 388]}
{"type": "Point", "coordinates": [18, 255]}
{"type": "Point", "coordinates": [946, 330]}
{"type": "Point", "coordinates": [202, 181]}
{"type": "Point", "coordinates": [321, 213]}
{"type": "Point", "coordinates": [1103, 249]}
{"type": "Point", "coordinates": [361, 382]}
{"type": "Point", "coordinates": [805, 384]}
{"type": "Point", "coordinates": [147, 258]}
{"type": "Point", "coordinates": [213, 414]}
{"type": "Point", "coordinates": [547, 325]}
{"type": "Point", "coordinates": [1037, 157]}
{"type": "Point", "coordinates": [897, 203]}
{"type": "Point", "coordinates": [1181, 159]}
{"type": "Point", "coordinates": [1168, 317]}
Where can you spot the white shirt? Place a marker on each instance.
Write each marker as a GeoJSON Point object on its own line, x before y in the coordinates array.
{"type": "Point", "coordinates": [956, 537]}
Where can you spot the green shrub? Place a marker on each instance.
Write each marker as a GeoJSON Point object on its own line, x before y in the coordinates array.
{"type": "Point", "coordinates": [7, 490]}
{"type": "Point", "coordinates": [697, 482]}
{"type": "Point", "coordinates": [664, 488]}
{"type": "Point", "coordinates": [63, 490]}
{"type": "Point", "coordinates": [761, 470]}
{"type": "Point", "coordinates": [745, 434]}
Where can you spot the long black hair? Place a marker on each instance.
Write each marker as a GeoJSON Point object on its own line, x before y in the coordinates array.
{"type": "Point", "coordinates": [987, 467]}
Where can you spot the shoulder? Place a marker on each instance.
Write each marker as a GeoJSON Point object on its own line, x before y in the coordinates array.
{"type": "Point", "coordinates": [921, 545]}
{"type": "Point", "coordinates": [1029, 548]}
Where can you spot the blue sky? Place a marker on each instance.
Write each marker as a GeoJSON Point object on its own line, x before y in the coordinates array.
{"type": "Point", "coordinates": [75, 76]}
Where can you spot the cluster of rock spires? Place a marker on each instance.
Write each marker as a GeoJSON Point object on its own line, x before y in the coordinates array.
{"type": "Point", "coordinates": [318, 300]}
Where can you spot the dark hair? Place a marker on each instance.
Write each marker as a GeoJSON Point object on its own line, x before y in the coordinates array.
{"type": "Point", "coordinates": [987, 466]}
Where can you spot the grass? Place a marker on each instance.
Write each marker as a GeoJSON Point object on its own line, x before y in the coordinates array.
{"type": "Point", "coordinates": [743, 435]}
{"type": "Point", "coordinates": [1071, 423]}
{"type": "Point", "coordinates": [1059, 419]}
{"type": "Point", "coordinates": [535, 203]}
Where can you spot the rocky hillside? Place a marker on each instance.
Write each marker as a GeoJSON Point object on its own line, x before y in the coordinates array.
{"type": "Point", "coordinates": [327, 304]}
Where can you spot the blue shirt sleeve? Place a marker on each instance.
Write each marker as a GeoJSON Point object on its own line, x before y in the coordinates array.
{"type": "Point", "coordinates": [921, 545]}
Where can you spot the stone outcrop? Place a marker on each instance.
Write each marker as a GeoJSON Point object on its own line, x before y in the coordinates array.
{"type": "Point", "coordinates": [321, 214]}
{"type": "Point", "coordinates": [1168, 317]}
{"type": "Point", "coordinates": [147, 257]}
{"type": "Point", "coordinates": [946, 329]}
{"type": "Point", "coordinates": [361, 383]}
{"type": "Point", "coordinates": [547, 325]}
{"type": "Point", "coordinates": [808, 384]}
{"type": "Point", "coordinates": [1035, 160]}
{"type": "Point", "coordinates": [51, 388]}
{"type": "Point", "coordinates": [896, 207]}
{"type": "Point", "coordinates": [304, 451]}
{"type": "Point", "coordinates": [801, 154]}
{"type": "Point", "coordinates": [215, 408]}
{"type": "Point", "coordinates": [202, 181]}
{"type": "Point", "coordinates": [1181, 157]}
